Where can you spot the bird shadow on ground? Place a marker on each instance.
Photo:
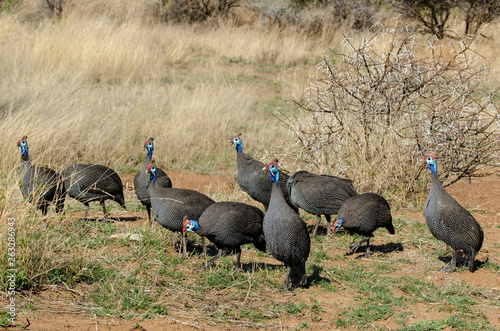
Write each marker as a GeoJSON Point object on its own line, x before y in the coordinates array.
{"type": "Point", "coordinates": [112, 219]}
{"type": "Point", "coordinates": [383, 249]}
{"type": "Point", "coordinates": [316, 277]}
{"type": "Point", "coordinates": [195, 248]}
{"type": "Point", "coordinates": [463, 261]}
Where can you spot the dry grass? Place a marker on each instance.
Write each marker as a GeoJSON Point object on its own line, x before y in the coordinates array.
{"type": "Point", "coordinates": [91, 90]}
{"type": "Point", "coordinates": [92, 86]}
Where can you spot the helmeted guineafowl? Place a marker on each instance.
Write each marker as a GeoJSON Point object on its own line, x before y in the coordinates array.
{"type": "Point", "coordinates": [141, 181]}
{"type": "Point", "coordinates": [93, 182]}
{"type": "Point", "coordinates": [363, 214]}
{"type": "Point", "coordinates": [286, 233]}
{"type": "Point", "coordinates": [253, 180]}
{"type": "Point", "coordinates": [170, 205]}
{"type": "Point", "coordinates": [40, 185]}
{"type": "Point", "coordinates": [319, 194]}
{"type": "Point", "coordinates": [450, 222]}
{"type": "Point", "coordinates": [228, 225]}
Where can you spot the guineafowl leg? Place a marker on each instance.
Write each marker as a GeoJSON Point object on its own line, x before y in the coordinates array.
{"type": "Point", "coordinates": [44, 209]}
{"type": "Point", "coordinates": [318, 220]}
{"type": "Point", "coordinates": [288, 281]}
{"type": "Point", "coordinates": [184, 244]}
{"type": "Point", "coordinates": [303, 280]}
{"type": "Point", "coordinates": [87, 206]}
{"type": "Point", "coordinates": [148, 209]}
{"type": "Point", "coordinates": [356, 246]}
{"type": "Point", "coordinates": [453, 264]}
{"type": "Point", "coordinates": [103, 204]}
{"type": "Point", "coordinates": [59, 206]}
{"type": "Point", "coordinates": [368, 252]}
{"type": "Point", "coordinates": [204, 243]}
{"type": "Point", "coordinates": [472, 256]}
{"type": "Point", "coordinates": [209, 262]}
{"type": "Point", "coordinates": [238, 256]}
{"type": "Point", "coordinates": [328, 225]}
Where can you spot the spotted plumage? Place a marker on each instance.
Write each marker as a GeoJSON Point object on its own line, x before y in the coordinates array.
{"type": "Point", "coordinates": [141, 181]}
{"type": "Point", "coordinates": [450, 222]}
{"type": "Point", "coordinates": [363, 214]}
{"type": "Point", "coordinates": [229, 225]}
{"type": "Point", "coordinates": [286, 234]}
{"type": "Point", "coordinates": [319, 194]}
{"type": "Point", "coordinates": [170, 205]}
{"type": "Point", "coordinates": [93, 182]}
{"type": "Point", "coordinates": [254, 180]}
{"type": "Point", "coordinates": [41, 186]}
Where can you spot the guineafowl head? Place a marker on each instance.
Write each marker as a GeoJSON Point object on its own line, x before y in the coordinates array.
{"type": "Point", "coordinates": [23, 144]}
{"type": "Point", "coordinates": [150, 146]}
{"type": "Point", "coordinates": [189, 225]}
{"type": "Point", "coordinates": [431, 163]}
{"type": "Point", "coordinates": [238, 144]}
{"type": "Point", "coordinates": [274, 171]}
{"type": "Point", "coordinates": [337, 225]}
{"type": "Point", "coordinates": [151, 170]}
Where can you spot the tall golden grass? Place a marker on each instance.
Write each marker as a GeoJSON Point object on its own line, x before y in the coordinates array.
{"type": "Point", "coordinates": [92, 90]}
{"type": "Point", "coordinates": [94, 84]}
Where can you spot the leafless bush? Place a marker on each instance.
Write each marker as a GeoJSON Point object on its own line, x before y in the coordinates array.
{"type": "Point", "coordinates": [56, 6]}
{"type": "Point", "coordinates": [196, 10]}
{"type": "Point", "coordinates": [316, 17]}
{"type": "Point", "coordinates": [375, 114]}
{"type": "Point", "coordinates": [478, 13]}
{"type": "Point", "coordinates": [433, 16]}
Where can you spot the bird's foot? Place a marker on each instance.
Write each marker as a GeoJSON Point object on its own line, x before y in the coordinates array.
{"type": "Point", "coordinates": [353, 249]}
{"type": "Point", "coordinates": [449, 268]}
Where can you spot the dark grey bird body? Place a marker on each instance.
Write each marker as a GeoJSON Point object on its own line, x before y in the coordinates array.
{"type": "Point", "coordinates": [229, 225]}
{"type": "Point", "coordinates": [319, 194]}
{"type": "Point", "coordinates": [41, 186]}
{"type": "Point", "coordinates": [171, 205]}
{"type": "Point", "coordinates": [141, 184]}
{"type": "Point", "coordinates": [253, 180]}
{"type": "Point", "coordinates": [287, 238]}
{"type": "Point", "coordinates": [363, 214]}
{"type": "Point", "coordinates": [450, 222]}
{"type": "Point", "coordinates": [93, 182]}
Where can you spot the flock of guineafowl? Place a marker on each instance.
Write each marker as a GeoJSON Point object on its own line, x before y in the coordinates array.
{"type": "Point", "coordinates": [228, 225]}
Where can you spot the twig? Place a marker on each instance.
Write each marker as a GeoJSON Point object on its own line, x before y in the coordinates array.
{"type": "Point", "coordinates": [335, 279]}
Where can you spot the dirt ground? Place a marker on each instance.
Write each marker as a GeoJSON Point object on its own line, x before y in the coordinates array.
{"type": "Point", "coordinates": [481, 196]}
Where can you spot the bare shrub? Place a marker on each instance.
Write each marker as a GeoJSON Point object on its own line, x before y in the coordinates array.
{"type": "Point", "coordinates": [432, 16]}
{"type": "Point", "coordinates": [376, 113]}
{"type": "Point", "coordinates": [56, 6]}
{"type": "Point", "coordinates": [320, 17]}
{"type": "Point", "coordinates": [478, 13]}
{"type": "Point", "coordinates": [196, 10]}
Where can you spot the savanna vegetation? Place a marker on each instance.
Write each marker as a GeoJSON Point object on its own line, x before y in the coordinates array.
{"type": "Point", "coordinates": [351, 88]}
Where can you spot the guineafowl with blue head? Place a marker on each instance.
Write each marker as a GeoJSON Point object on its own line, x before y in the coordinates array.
{"type": "Point", "coordinates": [450, 222]}
{"type": "Point", "coordinates": [141, 181]}
{"type": "Point", "coordinates": [363, 214]}
{"type": "Point", "coordinates": [229, 225]}
{"type": "Point", "coordinates": [170, 205]}
{"type": "Point", "coordinates": [286, 233]}
{"type": "Point", "coordinates": [253, 180]}
{"type": "Point", "coordinates": [319, 194]}
{"type": "Point", "coordinates": [42, 186]}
